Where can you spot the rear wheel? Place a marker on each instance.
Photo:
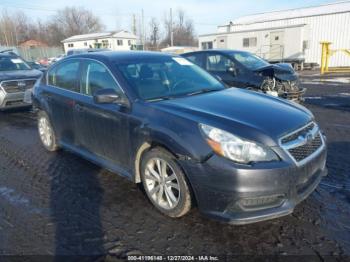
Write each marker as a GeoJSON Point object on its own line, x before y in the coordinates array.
{"type": "Point", "coordinates": [46, 132]}
{"type": "Point", "coordinates": [165, 183]}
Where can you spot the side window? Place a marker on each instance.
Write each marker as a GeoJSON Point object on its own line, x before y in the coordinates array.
{"type": "Point", "coordinates": [218, 63]}
{"type": "Point", "coordinates": [65, 75]}
{"type": "Point", "coordinates": [196, 59]}
{"type": "Point", "coordinates": [97, 77]}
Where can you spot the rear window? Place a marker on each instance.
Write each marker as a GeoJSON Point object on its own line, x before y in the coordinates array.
{"type": "Point", "coordinates": [13, 64]}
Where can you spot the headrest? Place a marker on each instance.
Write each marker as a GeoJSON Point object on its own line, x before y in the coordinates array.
{"type": "Point", "coordinates": [146, 72]}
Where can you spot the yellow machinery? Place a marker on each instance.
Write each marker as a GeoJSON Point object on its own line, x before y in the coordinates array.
{"type": "Point", "coordinates": [326, 54]}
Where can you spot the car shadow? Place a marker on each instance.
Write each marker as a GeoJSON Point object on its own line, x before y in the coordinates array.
{"type": "Point", "coordinates": [75, 202]}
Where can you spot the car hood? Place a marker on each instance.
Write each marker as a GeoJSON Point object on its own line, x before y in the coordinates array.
{"type": "Point", "coordinates": [19, 74]}
{"type": "Point", "coordinates": [281, 71]}
{"type": "Point", "coordinates": [251, 115]}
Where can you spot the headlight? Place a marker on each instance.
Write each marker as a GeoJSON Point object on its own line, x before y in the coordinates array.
{"type": "Point", "coordinates": [235, 148]}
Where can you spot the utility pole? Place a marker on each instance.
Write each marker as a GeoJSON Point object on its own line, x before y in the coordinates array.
{"type": "Point", "coordinates": [171, 28]}
{"type": "Point", "coordinates": [143, 28]}
{"type": "Point", "coordinates": [133, 24]}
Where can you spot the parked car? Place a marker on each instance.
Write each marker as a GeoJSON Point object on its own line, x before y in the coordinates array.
{"type": "Point", "coordinates": [246, 70]}
{"type": "Point", "coordinates": [16, 79]}
{"type": "Point", "coordinates": [85, 50]}
{"type": "Point", "coordinates": [44, 61]}
{"type": "Point", "coordinates": [162, 121]}
{"type": "Point", "coordinates": [36, 65]}
{"type": "Point", "coordinates": [54, 59]}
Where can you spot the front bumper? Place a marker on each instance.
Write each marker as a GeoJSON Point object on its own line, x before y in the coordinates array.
{"type": "Point", "coordinates": [12, 100]}
{"type": "Point", "coordinates": [267, 190]}
{"type": "Point", "coordinates": [294, 95]}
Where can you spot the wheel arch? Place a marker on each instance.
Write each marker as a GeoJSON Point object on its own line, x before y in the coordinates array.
{"type": "Point", "coordinates": [146, 146]}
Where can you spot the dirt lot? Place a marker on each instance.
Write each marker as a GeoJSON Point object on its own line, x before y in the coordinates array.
{"type": "Point", "coordinates": [58, 203]}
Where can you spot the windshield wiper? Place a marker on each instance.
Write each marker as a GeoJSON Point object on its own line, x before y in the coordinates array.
{"type": "Point", "coordinates": [160, 98]}
{"type": "Point", "coordinates": [202, 91]}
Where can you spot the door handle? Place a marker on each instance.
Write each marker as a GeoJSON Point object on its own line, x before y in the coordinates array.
{"type": "Point", "coordinates": [79, 108]}
{"type": "Point", "coordinates": [48, 97]}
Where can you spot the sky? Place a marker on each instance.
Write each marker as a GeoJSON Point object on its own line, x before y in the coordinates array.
{"type": "Point", "coordinates": [117, 14]}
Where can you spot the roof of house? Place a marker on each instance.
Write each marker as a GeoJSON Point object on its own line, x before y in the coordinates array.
{"type": "Point", "coordinates": [331, 8]}
{"type": "Point", "coordinates": [33, 42]}
{"type": "Point", "coordinates": [119, 34]}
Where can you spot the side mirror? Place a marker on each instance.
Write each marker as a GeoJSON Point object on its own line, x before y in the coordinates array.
{"type": "Point", "coordinates": [232, 70]}
{"type": "Point", "coordinates": [108, 96]}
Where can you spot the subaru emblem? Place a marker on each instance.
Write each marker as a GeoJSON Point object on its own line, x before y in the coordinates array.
{"type": "Point", "coordinates": [309, 137]}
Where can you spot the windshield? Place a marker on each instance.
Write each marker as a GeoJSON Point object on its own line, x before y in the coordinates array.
{"type": "Point", "coordinates": [250, 61]}
{"type": "Point", "coordinates": [12, 64]}
{"type": "Point", "coordinates": [167, 77]}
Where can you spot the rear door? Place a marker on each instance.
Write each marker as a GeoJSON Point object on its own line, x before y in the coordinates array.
{"type": "Point", "coordinates": [102, 128]}
{"type": "Point", "coordinates": [60, 94]}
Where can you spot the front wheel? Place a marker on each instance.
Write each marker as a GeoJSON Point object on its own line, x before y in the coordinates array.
{"type": "Point", "coordinates": [165, 183]}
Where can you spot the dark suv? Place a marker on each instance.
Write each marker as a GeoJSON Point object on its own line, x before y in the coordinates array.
{"type": "Point", "coordinates": [164, 122]}
{"type": "Point", "coordinates": [17, 79]}
{"type": "Point", "coordinates": [245, 70]}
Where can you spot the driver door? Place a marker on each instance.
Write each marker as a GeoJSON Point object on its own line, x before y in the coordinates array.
{"type": "Point", "coordinates": [221, 66]}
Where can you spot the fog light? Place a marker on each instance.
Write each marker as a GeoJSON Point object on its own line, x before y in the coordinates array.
{"type": "Point", "coordinates": [261, 202]}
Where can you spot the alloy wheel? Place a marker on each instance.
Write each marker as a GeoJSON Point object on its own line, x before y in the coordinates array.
{"type": "Point", "coordinates": [45, 132]}
{"type": "Point", "coordinates": [162, 183]}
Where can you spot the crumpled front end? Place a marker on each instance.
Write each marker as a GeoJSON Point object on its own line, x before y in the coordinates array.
{"type": "Point", "coordinates": [280, 80]}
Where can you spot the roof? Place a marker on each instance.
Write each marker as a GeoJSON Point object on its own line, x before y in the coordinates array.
{"type": "Point", "coordinates": [122, 55]}
{"type": "Point", "coordinates": [326, 9]}
{"type": "Point", "coordinates": [119, 34]}
{"type": "Point", "coordinates": [217, 50]}
{"type": "Point", "coordinates": [178, 47]}
{"type": "Point", "coordinates": [33, 42]}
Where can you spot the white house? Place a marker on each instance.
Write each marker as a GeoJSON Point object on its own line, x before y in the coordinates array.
{"type": "Point", "coordinates": [289, 35]}
{"type": "Point", "coordinates": [117, 40]}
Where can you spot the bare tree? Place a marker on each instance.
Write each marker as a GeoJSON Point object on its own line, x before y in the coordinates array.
{"type": "Point", "coordinates": [17, 27]}
{"type": "Point", "coordinates": [74, 21]}
{"type": "Point", "coordinates": [183, 30]}
{"type": "Point", "coordinates": [154, 34]}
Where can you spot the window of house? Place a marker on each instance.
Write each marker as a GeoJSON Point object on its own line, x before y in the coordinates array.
{"type": "Point", "coordinates": [70, 45]}
{"type": "Point", "coordinates": [119, 42]}
{"type": "Point", "coordinates": [250, 42]}
{"type": "Point", "coordinates": [129, 42]}
{"type": "Point", "coordinates": [85, 43]}
{"type": "Point", "coordinates": [97, 45]}
{"type": "Point", "coordinates": [105, 43]}
{"type": "Point", "coordinates": [207, 45]}
{"type": "Point", "coordinates": [65, 75]}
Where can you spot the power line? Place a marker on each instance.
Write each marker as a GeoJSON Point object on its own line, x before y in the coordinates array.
{"type": "Point", "coordinates": [100, 12]}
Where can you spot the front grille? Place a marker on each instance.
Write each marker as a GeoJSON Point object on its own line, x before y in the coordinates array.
{"type": "Point", "coordinates": [301, 152]}
{"type": "Point", "coordinates": [303, 142]}
{"type": "Point", "coordinates": [17, 86]}
{"type": "Point", "coordinates": [301, 132]}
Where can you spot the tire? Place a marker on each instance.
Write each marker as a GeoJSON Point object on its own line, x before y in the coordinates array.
{"type": "Point", "coordinates": [163, 196]}
{"type": "Point", "coordinates": [46, 132]}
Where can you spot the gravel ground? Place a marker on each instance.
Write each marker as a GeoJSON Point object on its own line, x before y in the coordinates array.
{"type": "Point", "coordinates": [60, 204]}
